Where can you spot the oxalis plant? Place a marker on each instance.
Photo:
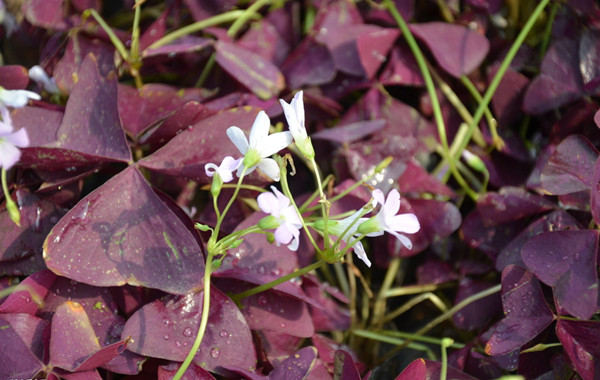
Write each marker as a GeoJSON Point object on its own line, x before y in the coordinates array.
{"type": "Point", "coordinates": [188, 185]}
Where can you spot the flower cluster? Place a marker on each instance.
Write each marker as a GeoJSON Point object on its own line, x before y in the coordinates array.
{"type": "Point", "coordinates": [283, 215]}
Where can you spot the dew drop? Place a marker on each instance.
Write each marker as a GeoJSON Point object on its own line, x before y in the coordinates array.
{"type": "Point", "coordinates": [166, 337]}
{"type": "Point", "coordinates": [178, 343]}
{"type": "Point", "coordinates": [215, 352]}
{"type": "Point", "coordinates": [260, 269]}
{"type": "Point", "coordinates": [187, 332]}
{"type": "Point", "coordinates": [262, 300]}
{"type": "Point", "coordinates": [282, 325]}
{"type": "Point", "coordinates": [224, 334]}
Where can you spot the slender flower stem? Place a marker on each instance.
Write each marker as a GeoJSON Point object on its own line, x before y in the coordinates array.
{"type": "Point", "coordinates": [286, 190]}
{"type": "Point", "coordinates": [203, 320]}
{"type": "Point", "coordinates": [446, 342]}
{"type": "Point", "coordinates": [235, 193]}
{"type": "Point", "coordinates": [492, 123]}
{"type": "Point", "coordinates": [269, 285]}
{"type": "Point", "coordinates": [197, 26]}
{"type": "Point", "coordinates": [247, 15]}
{"type": "Point", "coordinates": [113, 37]}
{"type": "Point", "coordinates": [135, 63]}
{"type": "Point", "coordinates": [325, 205]}
{"type": "Point", "coordinates": [11, 206]}
{"type": "Point", "coordinates": [460, 145]}
{"type": "Point", "coordinates": [435, 104]}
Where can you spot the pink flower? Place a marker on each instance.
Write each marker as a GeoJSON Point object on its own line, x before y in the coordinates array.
{"type": "Point", "coordinates": [283, 217]}
{"type": "Point", "coordinates": [387, 220]}
{"type": "Point", "coordinates": [225, 170]}
{"type": "Point", "coordinates": [10, 141]}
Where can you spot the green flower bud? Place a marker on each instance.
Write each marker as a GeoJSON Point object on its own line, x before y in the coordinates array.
{"type": "Point", "coordinates": [269, 223]}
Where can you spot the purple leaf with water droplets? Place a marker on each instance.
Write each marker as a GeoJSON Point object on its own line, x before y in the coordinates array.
{"type": "Point", "coordinates": [166, 328]}
{"type": "Point", "coordinates": [571, 167]}
{"type": "Point", "coordinates": [580, 341]}
{"type": "Point", "coordinates": [567, 260]}
{"type": "Point", "coordinates": [526, 311]}
{"type": "Point", "coordinates": [22, 345]}
{"type": "Point", "coordinates": [121, 233]}
{"type": "Point", "coordinates": [297, 366]}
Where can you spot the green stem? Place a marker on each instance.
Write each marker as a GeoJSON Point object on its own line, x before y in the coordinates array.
{"type": "Point", "coordinates": [548, 31]}
{"type": "Point", "coordinates": [394, 341]}
{"type": "Point", "coordinates": [203, 320]}
{"type": "Point", "coordinates": [135, 63]}
{"type": "Point", "coordinates": [492, 123]}
{"type": "Point", "coordinates": [197, 26]}
{"type": "Point", "coordinates": [325, 205]}
{"type": "Point", "coordinates": [215, 234]}
{"type": "Point", "coordinates": [113, 37]}
{"type": "Point", "coordinates": [460, 145]}
{"type": "Point", "coordinates": [248, 14]}
{"type": "Point", "coordinates": [206, 70]}
{"type": "Point", "coordinates": [286, 190]}
{"type": "Point", "coordinates": [446, 342]}
{"type": "Point", "coordinates": [11, 206]}
{"type": "Point", "coordinates": [269, 285]}
{"type": "Point", "coordinates": [435, 104]}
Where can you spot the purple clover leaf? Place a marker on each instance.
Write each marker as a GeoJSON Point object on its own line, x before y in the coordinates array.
{"type": "Point", "coordinates": [294, 114]}
{"type": "Point", "coordinates": [10, 141]}
{"type": "Point", "coordinates": [260, 146]}
{"type": "Point", "coordinates": [225, 170]}
{"type": "Point", "coordinates": [387, 220]}
{"type": "Point", "coordinates": [283, 216]}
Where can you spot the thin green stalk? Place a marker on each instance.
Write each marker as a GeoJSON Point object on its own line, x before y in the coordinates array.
{"type": "Point", "coordinates": [206, 70]}
{"type": "Point", "coordinates": [325, 205]}
{"type": "Point", "coordinates": [314, 195]}
{"type": "Point", "coordinates": [548, 31]}
{"type": "Point", "coordinates": [11, 206]}
{"type": "Point", "coordinates": [226, 209]}
{"type": "Point", "coordinates": [424, 338]}
{"type": "Point", "coordinates": [446, 342]}
{"type": "Point", "coordinates": [435, 104]}
{"type": "Point", "coordinates": [380, 302]}
{"type": "Point", "coordinates": [491, 120]}
{"type": "Point", "coordinates": [248, 14]}
{"type": "Point", "coordinates": [286, 191]}
{"type": "Point", "coordinates": [203, 320]}
{"type": "Point", "coordinates": [135, 63]}
{"type": "Point", "coordinates": [197, 26]}
{"type": "Point", "coordinates": [447, 315]}
{"type": "Point", "coordinates": [392, 340]}
{"type": "Point", "coordinates": [413, 302]}
{"type": "Point", "coordinates": [460, 145]}
{"type": "Point", "coordinates": [414, 289]}
{"type": "Point", "coordinates": [113, 37]}
{"type": "Point", "coordinates": [269, 285]}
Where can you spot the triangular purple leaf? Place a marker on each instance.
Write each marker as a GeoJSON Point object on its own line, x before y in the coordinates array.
{"type": "Point", "coordinates": [297, 366]}
{"type": "Point", "coordinates": [526, 311]}
{"type": "Point", "coordinates": [580, 341]}
{"type": "Point", "coordinates": [167, 328]}
{"type": "Point", "coordinates": [566, 260]}
{"type": "Point", "coordinates": [21, 344]}
{"type": "Point", "coordinates": [571, 167]}
{"type": "Point", "coordinates": [255, 72]}
{"type": "Point", "coordinates": [462, 50]}
{"type": "Point", "coordinates": [123, 233]}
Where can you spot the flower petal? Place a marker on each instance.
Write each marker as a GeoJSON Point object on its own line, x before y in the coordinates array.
{"type": "Point", "coordinates": [293, 246]}
{"type": "Point", "coordinates": [17, 98]}
{"type": "Point", "coordinates": [238, 138]}
{"type": "Point", "coordinates": [298, 105]}
{"type": "Point", "coordinates": [403, 239]}
{"type": "Point", "coordinates": [407, 223]}
{"type": "Point", "coordinates": [274, 143]}
{"type": "Point", "coordinates": [378, 197]}
{"type": "Point", "coordinates": [210, 169]}
{"type": "Point", "coordinates": [260, 130]}
{"type": "Point", "coordinates": [283, 235]}
{"type": "Point", "coordinates": [282, 201]}
{"type": "Point", "coordinates": [360, 252]}
{"type": "Point", "coordinates": [9, 154]}
{"type": "Point", "coordinates": [267, 202]}
{"type": "Point", "coordinates": [392, 204]}
{"type": "Point", "coordinates": [269, 168]}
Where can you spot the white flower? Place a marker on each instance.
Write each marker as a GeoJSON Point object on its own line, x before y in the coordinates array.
{"type": "Point", "coordinates": [260, 147]}
{"type": "Point", "coordinates": [9, 141]}
{"type": "Point", "coordinates": [347, 229]}
{"type": "Point", "coordinates": [283, 217]}
{"type": "Point", "coordinates": [387, 220]}
{"type": "Point", "coordinates": [225, 170]}
{"type": "Point", "coordinates": [17, 98]}
{"type": "Point", "coordinates": [38, 74]}
{"type": "Point", "coordinates": [294, 114]}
